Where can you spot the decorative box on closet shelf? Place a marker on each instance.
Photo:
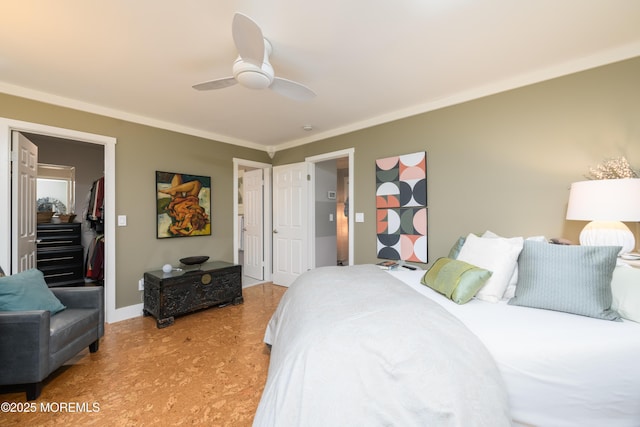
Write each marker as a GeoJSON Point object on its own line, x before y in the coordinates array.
{"type": "Point", "coordinates": [60, 254]}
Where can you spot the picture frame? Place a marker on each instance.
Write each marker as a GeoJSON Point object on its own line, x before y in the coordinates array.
{"type": "Point", "coordinates": [183, 205]}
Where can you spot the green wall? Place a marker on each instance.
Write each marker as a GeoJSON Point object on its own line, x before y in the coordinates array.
{"type": "Point", "coordinates": [140, 151]}
{"type": "Point", "coordinates": [504, 162]}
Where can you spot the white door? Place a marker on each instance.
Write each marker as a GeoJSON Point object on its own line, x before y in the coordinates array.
{"type": "Point", "coordinates": [290, 222]}
{"type": "Point", "coordinates": [252, 199]}
{"type": "Point", "coordinates": [23, 216]}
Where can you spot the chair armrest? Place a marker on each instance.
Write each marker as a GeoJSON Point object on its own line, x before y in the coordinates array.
{"type": "Point", "coordinates": [83, 297]}
{"type": "Point", "coordinates": [24, 346]}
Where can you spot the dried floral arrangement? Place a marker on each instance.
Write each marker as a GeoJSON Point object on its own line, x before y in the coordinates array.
{"type": "Point", "coordinates": [614, 168]}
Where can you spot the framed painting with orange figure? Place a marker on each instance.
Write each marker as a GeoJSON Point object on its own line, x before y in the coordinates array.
{"type": "Point", "coordinates": [183, 205]}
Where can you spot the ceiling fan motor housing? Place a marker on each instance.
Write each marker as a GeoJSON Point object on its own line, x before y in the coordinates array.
{"type": "Point", "coordinates": [250, 75]}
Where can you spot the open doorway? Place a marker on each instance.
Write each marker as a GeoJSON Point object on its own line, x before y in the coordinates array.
{"type": "Point", "coordinates": [7, 210]}
{"type": "Point", "coordinates": [332, 221]}
{"type": "Point", "coordinates": [252, 225]}
{"type": "Point", "coordinates": [55, 157]}
{"type": "Point", "coordinates": [342, 211]}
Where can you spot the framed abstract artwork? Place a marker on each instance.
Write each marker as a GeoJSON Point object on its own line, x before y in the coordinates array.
{"type": "Point", "coordinates": [183, 205]}
{"type": "Point", "coordinates": [401, 207]}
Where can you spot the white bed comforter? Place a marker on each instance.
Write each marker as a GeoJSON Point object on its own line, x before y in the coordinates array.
{"type": "Point", "coordinates": [560, 369]}
{"type": "Point", "coordinates": [353, 346]}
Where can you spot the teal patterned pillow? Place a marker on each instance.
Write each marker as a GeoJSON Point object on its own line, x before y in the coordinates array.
{"type": "Point", "coordinates": [572, 279]}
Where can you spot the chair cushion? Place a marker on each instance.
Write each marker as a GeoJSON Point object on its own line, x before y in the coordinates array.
{"type": "Point", "coordinates": [27, 291]}
{"type": "Point", "coordinates": [70, 324]}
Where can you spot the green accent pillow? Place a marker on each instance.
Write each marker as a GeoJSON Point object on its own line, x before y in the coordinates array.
{"type": "Point", "coordinates": [27, 291]}
{"type": "Point", "coordinates": [571, 279]}
{"type": "Point", "coordinates": [457, 280]}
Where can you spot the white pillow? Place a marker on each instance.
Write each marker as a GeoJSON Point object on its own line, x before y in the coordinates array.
{"type": "Point", "coordinates": [625, 287]}
{"type": "Point", "coordinates": [498, 255]}
{"type": "Point", "coordinates": [510, 292]}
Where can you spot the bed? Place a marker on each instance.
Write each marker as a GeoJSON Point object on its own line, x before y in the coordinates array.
{"type": "Point", "coordinates": [361, 346]}
{"type": "Point", "coordinates": [353, 346]}
{"type": "Point", "coordinates": [559, 369]}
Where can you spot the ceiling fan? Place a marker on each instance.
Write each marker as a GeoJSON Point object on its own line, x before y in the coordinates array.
{"type": "Point", "coordinates": [252, 68]}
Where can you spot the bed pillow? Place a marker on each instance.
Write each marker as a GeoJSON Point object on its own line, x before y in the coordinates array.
{"type": "Point", "coordinates": [625, 290]}
{"type": "Point", "coordinates": [455, 249]}
{"type": "Point", "coordinates": [499, 256]}
{"type": "Point", "coordinates": [27, 291]}
{"type": "Point", "coordinates": [457, 280]}
{"type": "Point", "coordinates": [511, 287]}
{"type": "Point", "coordinates": [572, 279]}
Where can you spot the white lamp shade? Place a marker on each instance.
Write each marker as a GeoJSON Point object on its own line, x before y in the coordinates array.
{"type": "Point", "coordinates": [605, 203]}
{"type": "Point", "coordinates": [605, 200]}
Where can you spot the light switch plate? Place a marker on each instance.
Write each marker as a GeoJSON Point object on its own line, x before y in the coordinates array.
{"type": "Point", "coordinates": [359, 216]}
{"type": "Point", "coordinates": [122, 220]}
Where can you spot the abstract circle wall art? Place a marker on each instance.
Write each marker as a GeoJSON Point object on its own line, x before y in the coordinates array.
{"type": "Point", "coordinates": [401, 203]}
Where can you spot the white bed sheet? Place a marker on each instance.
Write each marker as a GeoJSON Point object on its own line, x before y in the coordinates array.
{"type": "Point", "coordinates": [559, 369]}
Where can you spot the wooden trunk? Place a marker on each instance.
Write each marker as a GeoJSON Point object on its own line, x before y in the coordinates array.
{"type": "Point", "coordinates": [172, 294]}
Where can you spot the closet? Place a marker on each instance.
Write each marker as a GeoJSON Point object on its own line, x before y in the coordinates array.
{"type": "Point", "coordinates": [94, 222]}
{"type": "Point", "coordinates": [87, 229]}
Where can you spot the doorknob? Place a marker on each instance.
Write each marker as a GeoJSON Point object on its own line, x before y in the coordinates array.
{"type": "Point", "coordinates": [275, 231]}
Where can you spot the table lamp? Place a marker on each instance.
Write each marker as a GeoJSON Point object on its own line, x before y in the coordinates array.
{"type": "Point", "coordinates": [606, 203]}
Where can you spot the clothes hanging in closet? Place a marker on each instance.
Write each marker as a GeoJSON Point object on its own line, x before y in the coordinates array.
{"type": "Point", "coordinates": [96, 205]}
{"type": "Point", "coordinates": [95, 260]}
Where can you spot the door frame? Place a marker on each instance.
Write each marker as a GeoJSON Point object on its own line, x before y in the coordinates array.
{"type": "Point", "coordinates": [266, 200]}
{"type": "Point", "coordinates": [7, 126]}
{"type": "Point", "coordinates": [349, 152]}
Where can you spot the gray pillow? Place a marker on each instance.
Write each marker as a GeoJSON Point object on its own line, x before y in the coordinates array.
{"type": "Point", "coordinates": [572, 279]}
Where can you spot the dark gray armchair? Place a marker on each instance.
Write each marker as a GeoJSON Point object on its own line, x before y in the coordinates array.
{"type": "Point", "coordinates": [33, 344]}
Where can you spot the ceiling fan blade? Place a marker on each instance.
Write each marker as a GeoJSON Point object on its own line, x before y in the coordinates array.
{"type": "Point", "coordinates": [215, 84]}
{"type": "Point", "coordinates": [248, 38]}
{"type": "Point", "coordinates": [292, 90]}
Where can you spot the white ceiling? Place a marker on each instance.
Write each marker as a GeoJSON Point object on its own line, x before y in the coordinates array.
{"type": "Point", "coordinates": [369, 61]}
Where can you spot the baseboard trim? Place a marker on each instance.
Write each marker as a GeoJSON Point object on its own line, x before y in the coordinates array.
{"type": "Point", "coordinates": [125, 313]}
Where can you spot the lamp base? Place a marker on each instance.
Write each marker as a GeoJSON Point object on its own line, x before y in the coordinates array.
{"type": "Point", "coordinates": [608, 233]}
